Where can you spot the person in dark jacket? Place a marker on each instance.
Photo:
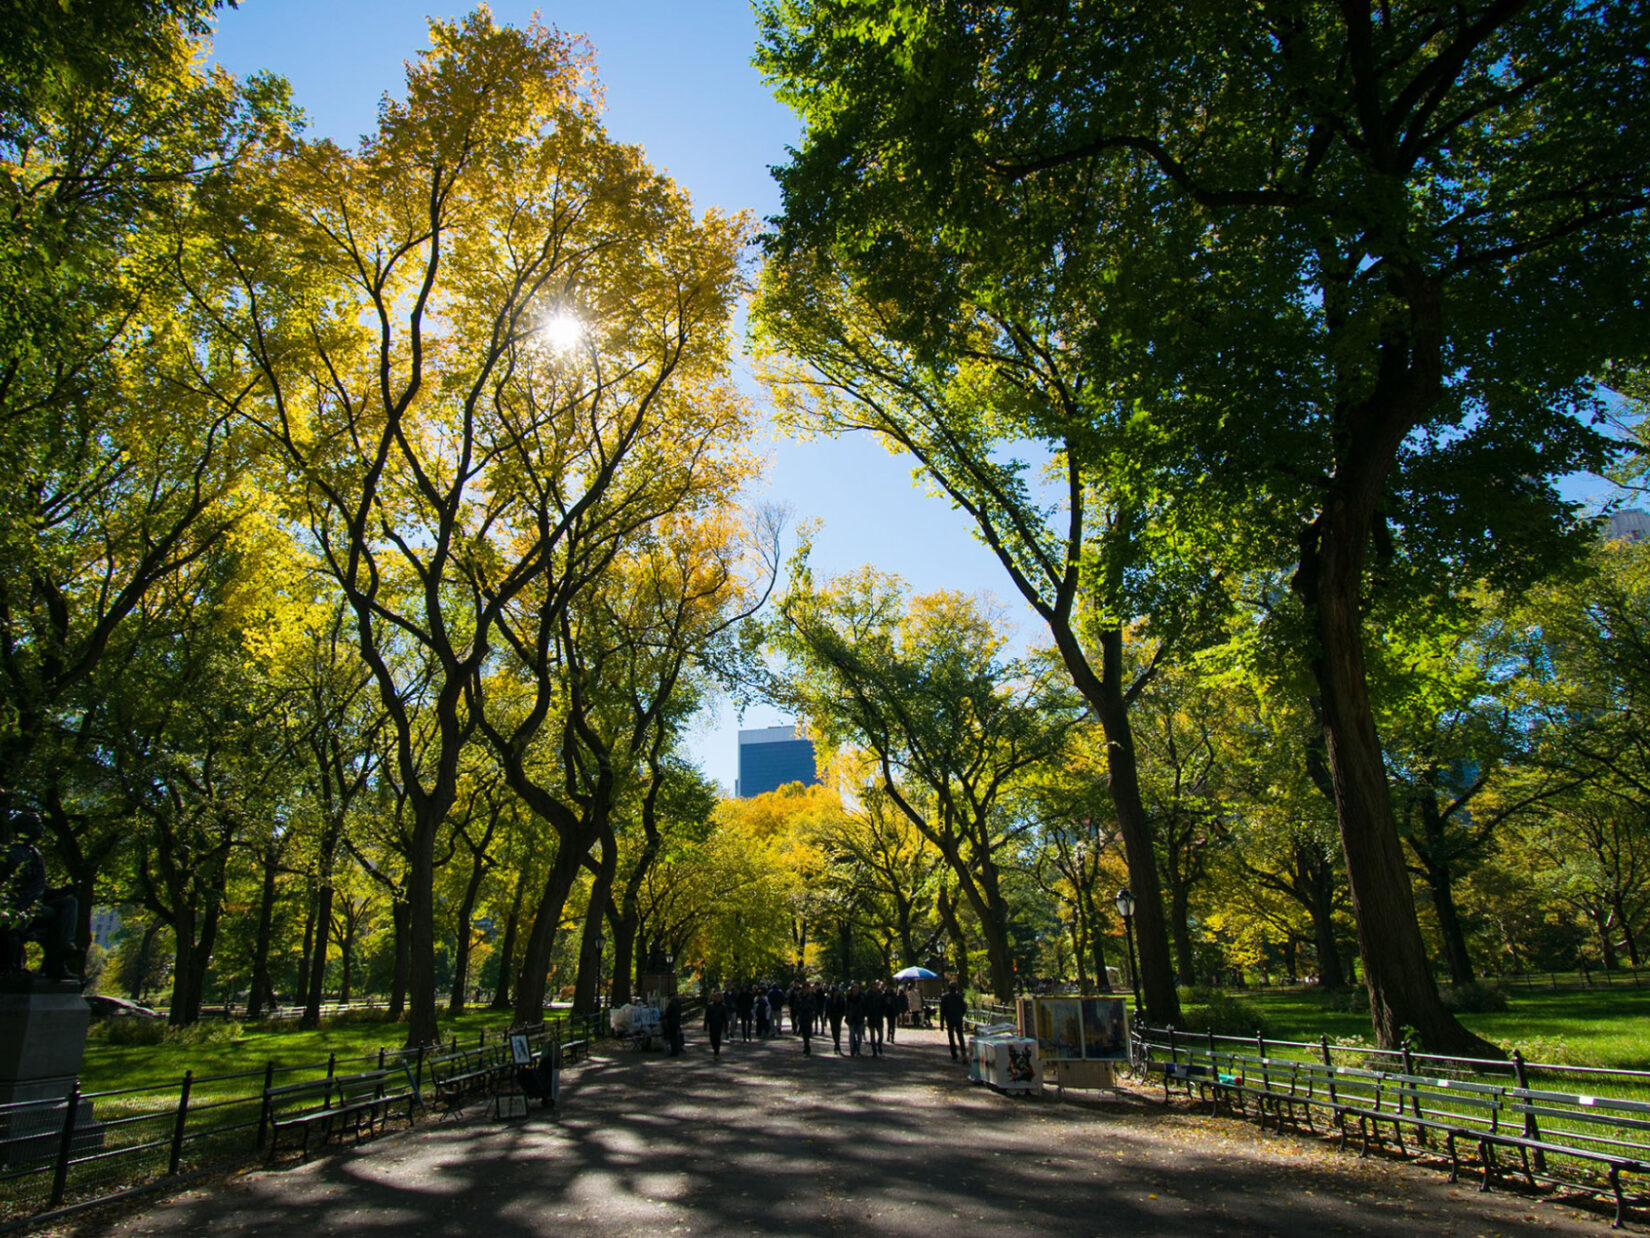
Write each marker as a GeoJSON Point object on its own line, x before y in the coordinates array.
{"type": "Point", "coordinates": [952, 1009]}
{"type": "Point", "coordinates": [893, 1005]}
{"type": "Point", "coordinates": [776, 1006]}
{"type": "Point", "coordinates": [747, 1008]}
{"type": "Point", "coordinates": [805, 1029]}
{"type": "Point", "coordinates": [835, 1007]}
{"type": "Point", "coordinates": [854, 1011]}
{"type": "Point", "coordinates": [875, 1004]}
{"type": "Point", "coordinates": [670, 1023]}
{"type": "Point", "coordinates": [716, 1022]}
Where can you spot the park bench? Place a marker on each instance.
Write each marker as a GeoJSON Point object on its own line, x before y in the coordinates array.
{"type": "Point", "coordinates": [1185, 1075]}
{"type": "Point", "coordinates": [1593, 1129]}
{"type": "Point", "coordinates": [573, 1050]}
{"type": "Point", "coordinates": [332, 1105]}
{"type": "Point", "coordinates": [460, 1074]}
{"type": "Point", "coordinates": [1285, 1088]}
{"type": "Point", "coordinates": [1441, 1113]}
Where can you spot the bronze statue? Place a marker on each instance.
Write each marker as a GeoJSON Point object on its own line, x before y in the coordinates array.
{"type": "Point", "coordinates": [29, 910]}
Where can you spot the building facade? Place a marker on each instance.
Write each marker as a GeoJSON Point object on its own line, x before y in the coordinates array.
{"type": "Point", "coordinates": [772, 756]}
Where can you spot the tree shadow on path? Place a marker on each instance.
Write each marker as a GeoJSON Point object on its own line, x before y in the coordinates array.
{"type": "Point", "coordinates": [768, 1140]}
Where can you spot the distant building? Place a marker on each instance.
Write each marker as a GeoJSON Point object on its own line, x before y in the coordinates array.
{"type": "Point", "coordinates": [770, 757]}
{"type": "Point", "coordinates": [1628, 526]}
{"type": "Point", "coordinates": [105, 925]}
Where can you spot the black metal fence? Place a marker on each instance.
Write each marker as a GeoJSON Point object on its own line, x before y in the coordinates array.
{"type": "Point", "coordinates": [91, 1146]}
{"type": "Point", "coordinates": [1566, 1124]}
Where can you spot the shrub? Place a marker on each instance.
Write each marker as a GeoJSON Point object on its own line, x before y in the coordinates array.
{"type": "Point", "coordinates": [129, 1030]}
{"type": "Point", "coordinates": [206, 1032]}
{"type": "Point", "coordinates": [1354, 999]}
{"type": "Point", "coordinates": [1475, 998]}
{"type": "Point", "coordinates": [1223, 1015]}
{"type": "Point", "coordinates": [370, 1014]}
{"type": "Point", "coordinates": [1547, 1050]}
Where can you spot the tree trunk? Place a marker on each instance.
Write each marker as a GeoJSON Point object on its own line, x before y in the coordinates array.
{"type": "Point", "coordinates": [316, 953]}
{"type": "Point", "coordinates": [398, 985]}
{"type": "Point", "coordinates": [507, 948]}
{"type": "Point", "coordinates": [1104, 693]}
{"type": "Point", "coordinates": [953, 927]}
{"type": "Point", "coordinates": [422, 1028]}
{"type": "Point", "coordinates": [461, 942]}
{"type": "Point", "coordinates": [260, 947]}
{"type": "Point", "coordinates": [1179, 910]}
{"type": "Point", "coordinates": [1078, 954]}
{"type": "Point", "coordinates": [587, 985]}
{"type": "Point", "coordinates": [1097, 943]}
{"type": "Point", "coordinates": [1602, 923]}
{"type": "Point", "coordinates": [1449, 924]}
{"type": "Point", "coordinates": [183, 966]}
{"type": "Point", "coordinates": [346, 956]}
{"type": "Point", "coordinates": [624, 926]}
{"type": "Point", "coordinates": [300, 984]}
{"type": "Point", "coordinates": [1628, 938]}
{"type": "Point", "coordinates": [1321, 908]}
{"type": "Point", "coordinates": [1403, 996]}
{"type": "Point", "coordinates": [535, 964]}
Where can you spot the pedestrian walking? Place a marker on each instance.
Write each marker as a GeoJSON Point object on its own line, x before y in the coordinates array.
{"type": "Point", "coordinates": [893, 1007]}
{"type": "Point", "coordinates": [854, 1012]}
{"type": "Point", "coordinates": [835, 1007]}
{"type": "Point", "coordinates": [670, 1023]}
{"type": "Point", "coordinates": [952, 1009]}
{"type": "Point", "coordinates": [874, 1007]}
{"type": "Point", "coordinates": [716, 1022]}
{"type": "Point", "coordinates": [747, 1010]}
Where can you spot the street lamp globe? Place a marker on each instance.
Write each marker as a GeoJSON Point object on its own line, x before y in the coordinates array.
{"type": "Point", "coordinates": [1125, 903]}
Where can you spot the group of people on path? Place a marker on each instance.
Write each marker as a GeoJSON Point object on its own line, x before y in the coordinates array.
{"type": "Point", "coordinates": [871, 1013]}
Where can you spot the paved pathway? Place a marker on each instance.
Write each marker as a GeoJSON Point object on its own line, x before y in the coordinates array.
{"type": "Point", "coordinates": [767, 1140]}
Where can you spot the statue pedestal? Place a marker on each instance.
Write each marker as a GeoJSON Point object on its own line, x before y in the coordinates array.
{"type": "Point", "coordinates": [42, 1041]}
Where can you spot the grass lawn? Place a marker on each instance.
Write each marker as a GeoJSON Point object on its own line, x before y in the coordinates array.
{"type": "Point", "coordinates": [109, 1066]}
{"type": "Point", "coordinates": [1589, 1027]}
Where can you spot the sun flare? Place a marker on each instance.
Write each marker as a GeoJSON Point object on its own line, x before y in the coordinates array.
{"type": "Point", "coordinates": [562, 333]}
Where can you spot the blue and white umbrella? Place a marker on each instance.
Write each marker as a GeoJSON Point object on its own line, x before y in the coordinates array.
{"type": "Point", "coordinates": [916, 973]}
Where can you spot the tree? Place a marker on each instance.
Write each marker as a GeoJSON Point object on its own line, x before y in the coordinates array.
{"type": "Point", "coordinates": [494, 310]}
{"type": "Point", "coordinates": [1375, 255]}
{"type": "Point", "coordinates": [925, 689]}
{"type": "Point", "coordinates": [112, 140]}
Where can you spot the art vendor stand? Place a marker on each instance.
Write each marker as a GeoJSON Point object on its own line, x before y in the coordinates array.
{"type": "Point", "coordinates": [1081, 1040]}
{"type": "Point", "coordinates": [1000, 1059]}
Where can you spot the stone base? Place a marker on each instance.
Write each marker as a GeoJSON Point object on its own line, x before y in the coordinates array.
{"type": "Point", "coordinates": [42, 1039]}
{"type": "Point", "coordinates": [42, 1033]}
{"type": "Point", "coordinates": [34, 1133]}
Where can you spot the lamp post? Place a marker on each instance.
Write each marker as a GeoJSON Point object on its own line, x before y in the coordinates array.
{"type": "Point", "coordinates": [601, 940]}
{"type": "Point", "coordinates": [1125, 908]}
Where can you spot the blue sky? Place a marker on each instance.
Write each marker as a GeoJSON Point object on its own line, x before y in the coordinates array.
{"type": "Point", "coordinates": [678, 81]}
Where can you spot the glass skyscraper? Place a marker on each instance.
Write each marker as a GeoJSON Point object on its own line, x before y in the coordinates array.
{"type": "Point", "coordinates": [770, 757]}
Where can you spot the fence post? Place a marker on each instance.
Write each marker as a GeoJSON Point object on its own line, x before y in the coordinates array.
{"type": "Point", "coordinates": [1329, 1071]}
{"type": "Point", "coordinates": [1531, 1129]}
{"type": "Point", "coordinates": [177, 1126]}
{"type": "Point", "coordinates": [60, 1177]}
{"type": "Point", "coordinates": [263, 1111]}
{"type": "Point", "coordinates": [420, 1087]}
{"type": "Point", "coordinates": [380, 1057]}
{"type": "Point", "coordinates": [1414, 1099]}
